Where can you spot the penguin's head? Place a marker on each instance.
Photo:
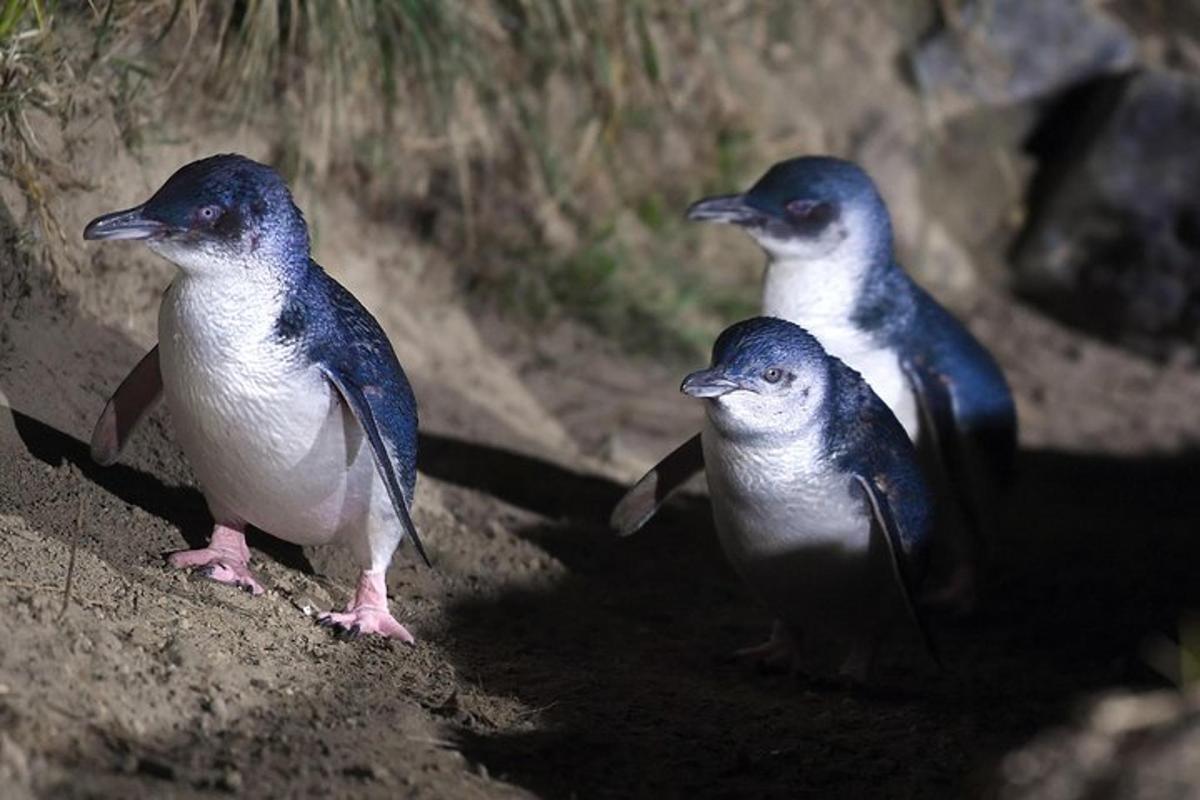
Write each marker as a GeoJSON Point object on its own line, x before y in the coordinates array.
{"type": "Point", "coordinates": [219, 214]}
{"type": "Point", "coordinates": [768, 379]}
{"type": "Point", "coordinates": [806, 209]}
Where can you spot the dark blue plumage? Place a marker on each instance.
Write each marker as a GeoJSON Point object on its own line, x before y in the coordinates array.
{"type": "Point", "coordinates": [864, 438]}
{"type": "Point", "coordinates": [241, 195]}
{"type": "Point", "coordinates": [338, 333]}
{"type": "Point", "coordinates": [746, 347]}
{"type": "Point", "coordinates": [803, 195]}
{"type": "Point", "coordinates": [355, 354]}
{"type": "Point", "coordinates": [940, 357]}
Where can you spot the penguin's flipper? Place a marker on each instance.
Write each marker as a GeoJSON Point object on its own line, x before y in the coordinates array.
{"type": "Point", "coordinates": [886, 525]}
{"type": "Point", "coordinates": [135, 397]}
{"type": "Point", "coordinates": [978, 431]}
{"type": "Point", "coordinates": [642, 501]}
{"type": "Point", "coordinates": [936, 407]}
{"type": "Point", "coordinates": [956, 457]}
{"type": "Point", "coordinates": [367, 404]}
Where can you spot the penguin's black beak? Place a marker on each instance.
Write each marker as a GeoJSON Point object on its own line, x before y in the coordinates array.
{"type": "Point", "coordinates": [707, 383]}
{"type": "Point", "coordinates": [728, 208]}
{"type": "Point", "coordinates": [129, 224]}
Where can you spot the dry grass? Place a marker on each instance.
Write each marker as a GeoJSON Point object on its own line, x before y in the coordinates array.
{"type": "Point", "coordinates": [555, 141]}
{"type": "Point", "coordinates": [31, 76]}
{"type": "Point", "coordinates": [532, 122]}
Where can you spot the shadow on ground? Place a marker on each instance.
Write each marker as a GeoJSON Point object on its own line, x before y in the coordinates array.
{"type": "Point", "coordinates": [622, 659]}
{"type": "Point", "coordinates": [555, 492]}
{"type": "Point", "coordinates": [624, 656]}
{"type": "Point", "coordinates": [181, 506]}
{"type": "Point", "coordinates": [528, 482]}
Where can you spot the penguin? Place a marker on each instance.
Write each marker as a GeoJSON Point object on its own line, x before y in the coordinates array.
{"type": "Point", "coordinates": [285, 394]}
{"type": "Point", "coordinates": [818, 499]}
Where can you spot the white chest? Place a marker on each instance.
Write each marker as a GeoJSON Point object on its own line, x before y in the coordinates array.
{"type": "Point", "coordinates": [820, 299]}
{"type": "Point", "coordinates": [267, 437]}
{"type": "Point", "coordinates": [769, 501]}
{"type": "Point", "coordinates": [795, 534]}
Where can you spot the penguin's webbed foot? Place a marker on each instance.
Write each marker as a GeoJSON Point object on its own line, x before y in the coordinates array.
{"type": "Point", "coordinates": [954, 595]}
{"type": "Point", "coordinates": [780, 653]}
{"type": "Point", "coordinates": [368, 613]}
{"type": "Point", "coordinates": [225, 560]}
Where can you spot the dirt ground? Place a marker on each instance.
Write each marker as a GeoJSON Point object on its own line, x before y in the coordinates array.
{"type": "Point", "coordinates": [553, 660]}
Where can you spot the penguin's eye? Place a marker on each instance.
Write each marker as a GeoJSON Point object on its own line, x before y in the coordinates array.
{"type": "Point", "coordinates": [208, 213]}
{"type": "Point", "coordinates": [773, 375]}
{"type": "Point", "coordinates": [810, 214]}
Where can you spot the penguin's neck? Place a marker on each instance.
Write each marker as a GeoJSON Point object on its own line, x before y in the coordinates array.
{"type": "Point", "coordinates": [828, 298]}
{"type": "Point", "coordinates": [820, 293]}
{"type": "Point", "coordinates": [226, 312]}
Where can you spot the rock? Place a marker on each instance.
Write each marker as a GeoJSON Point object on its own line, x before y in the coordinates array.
{"type": "Point", "coordinates": [1113, 239]}
{"type": "Point", "coordinates": [230, 780]}
{"type": "Point", "coordinates": [1127, 746]}
{"type": "Point", "coordinates": [1003, 52]}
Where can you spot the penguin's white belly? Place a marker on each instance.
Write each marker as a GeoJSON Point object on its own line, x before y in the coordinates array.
{"type": "Point", "coordinates": [267, 436]}
{"type": "Point", "coordinates": [795, 534]}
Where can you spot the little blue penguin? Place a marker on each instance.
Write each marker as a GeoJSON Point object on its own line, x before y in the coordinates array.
{"type": "Point", "coordinates": [819, 502]}
{"type": "Point", "coordinates": [285, 394]}
{"type": "Point", "coordinates": [831, 268]}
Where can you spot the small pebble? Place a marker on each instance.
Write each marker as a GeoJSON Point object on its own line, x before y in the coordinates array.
{"type": "Point", "coordinates": [231, 781]}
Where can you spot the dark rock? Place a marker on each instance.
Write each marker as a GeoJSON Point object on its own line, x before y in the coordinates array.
{"type": "Point", "coordinates": [1113, 239]}
{"type": "Point", "coordinates": [1003, 52]}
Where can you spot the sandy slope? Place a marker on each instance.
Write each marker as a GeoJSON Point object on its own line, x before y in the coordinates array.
{"type": "Point", "coordinates": [552, 659]}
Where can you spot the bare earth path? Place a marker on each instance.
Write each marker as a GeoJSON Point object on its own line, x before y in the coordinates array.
{"type": "Point", "coordinates": [552, 660]}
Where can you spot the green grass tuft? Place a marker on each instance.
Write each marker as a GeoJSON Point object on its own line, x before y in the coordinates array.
{"type": "Point", "coordinates": [644, 298]}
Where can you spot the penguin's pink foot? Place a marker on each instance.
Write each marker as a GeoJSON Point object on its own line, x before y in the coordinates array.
{"type": "Point", "coordinates": [955, 595]}
{"type": "Point", "coordinates": [368, 613]}
{"type": "Point", "coordinates": [780, 653]}
{"type": "Point", "coordinates": [225, 560]}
